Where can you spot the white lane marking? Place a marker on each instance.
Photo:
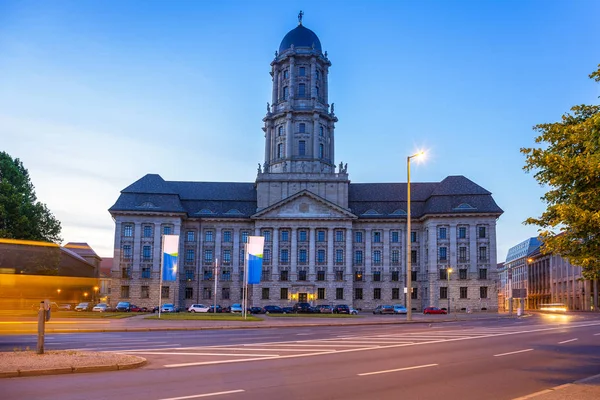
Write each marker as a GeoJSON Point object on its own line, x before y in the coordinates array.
{"type": "Point", "coordinates": [242, 360]}
{"type": "Point", "coordinates": [304, 334]}
{"type": "Point", "coordinates": [567, 341]}
{"type": "Point", "coordinates": [596, 334]}
{"type": "Point", "coordinates": [196, 396]}
{"type": "Point", "coordinates": [206, 354]}
{"type": "Point", "coordinates": [366, 342]}
{"type": "Point", "coordinates": [512, 352]}
{"type": "Point", "coordinates": [320, 345]}
{"type": "Point", "coordinates": [396, 370]}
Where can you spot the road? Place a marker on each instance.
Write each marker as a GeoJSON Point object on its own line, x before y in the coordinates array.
{"type": "Point", "coordinates": [492, 359]}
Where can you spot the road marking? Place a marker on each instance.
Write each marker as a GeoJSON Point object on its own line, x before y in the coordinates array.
{"type": "Point", "coordinates": [567, 341]}
{"type": "Point", "coordinates": [396, 370]}
{"type": "Point", "coordinates": [512, 352]}
{"type": "Point", "coordinates": [206, 354]}
{"type": "Point", "coordinates": [596, 334]}
{"type": "Point", "coordinates": [196, 396]}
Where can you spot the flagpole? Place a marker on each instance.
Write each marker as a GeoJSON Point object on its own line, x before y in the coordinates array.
{"type": "Point", "coordinates": [246, 272]}
{"type": "Point", "coordinates": [216, 278]}
{"type": "Point", "coordinates": [162, 241]}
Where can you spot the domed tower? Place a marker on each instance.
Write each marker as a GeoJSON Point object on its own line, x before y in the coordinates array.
{"type": "Point", "coordinates": [299, 125]}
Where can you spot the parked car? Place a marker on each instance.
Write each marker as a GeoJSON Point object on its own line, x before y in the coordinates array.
{"type": "Point", "coordinates": [434, 310]}
{"type": "Point", "coordinates": [194, 308]}
{"type": "Point", "coordinates": [236, 308]}
{"type": "Point", "coordinates": [341, 309]}
{"type": "Point", "coordinates": [384, 309]}
{"type": "Point", "coordinates": [212, 309]}
{"type": "Point", "coordinates": [325, 309]}
{"type": "Point", "coordinates": [353, 311]}
{"type": "Point", "coordinates": [399, 309]}
{"type": "Point", "coordinates": [302, 308]}
{"type": "Point", "coordinates": [167, 308]}
{"type": "Point", "coordinates": [83, 307]}
{"type": "Point", "coordinates": [134, 308]}
{"type": "Point", "coordinates": [65, 307]}
{"type": "Point", "coordinates": [123, 306]}
{"type": "Point", "coordinates": [102, 307]}
{"type": "Point", "coordinates": [273, 310]}
{"type": "Point", "coordinates": [287, 310]}
{"type": "Point", "coordinates": [256, 310]}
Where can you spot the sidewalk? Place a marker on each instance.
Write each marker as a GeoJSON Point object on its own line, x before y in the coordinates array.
{"type": "Point", "coordinates": [584, 389]}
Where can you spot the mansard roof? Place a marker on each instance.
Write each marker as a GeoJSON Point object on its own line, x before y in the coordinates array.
{"type": "Point", "coordinates": [453, 195]}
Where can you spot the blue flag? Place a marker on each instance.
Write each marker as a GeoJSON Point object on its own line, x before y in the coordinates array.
{"type": "Point", "coordinates": [255, 258]}
{"type": "Point", "coordinates": [170, 252]}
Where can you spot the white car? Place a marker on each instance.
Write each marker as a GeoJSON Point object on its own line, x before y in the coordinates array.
{"type": "Point", "coordinates": [236, 308]}
{"type": "Point", "coordinates": [400, 309]}
{"type": "Point", "coordinates": [353, 311]}
{"type": "Point", "coordinates": [198, 308]}
{"type": "Point", "coordinates": [102, 307]}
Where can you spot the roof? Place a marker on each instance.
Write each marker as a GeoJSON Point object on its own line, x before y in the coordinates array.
{"type": "Point", "coordinates": [523, 249]}
{"type": "Point", "coordinates": [453, 195]}
{"type": "Point", "coordinates": [300, 37]}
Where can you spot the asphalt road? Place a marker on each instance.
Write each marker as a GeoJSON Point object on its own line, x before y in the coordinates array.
{"type": "Point", "coordinates": [492, 359]}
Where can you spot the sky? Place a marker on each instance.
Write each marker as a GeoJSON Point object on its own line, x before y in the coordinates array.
{"type": "Point", "coordinates": [96, 94]}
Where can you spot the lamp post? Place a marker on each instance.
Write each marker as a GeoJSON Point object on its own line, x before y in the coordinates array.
{"type": "Point", "coordinates": [96, 288]}
{"type": "Point", "coordinates": [408, 238]}
{"type": "Point", "coordinates": [448, 272]}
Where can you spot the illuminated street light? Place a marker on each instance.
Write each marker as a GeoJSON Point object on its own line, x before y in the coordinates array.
{"type": "Point", "coordinates": [408, 238]}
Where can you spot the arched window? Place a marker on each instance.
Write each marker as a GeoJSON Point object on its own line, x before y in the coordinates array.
{"type": "Point", "coordinates": [280, 150]}
{"type": "Point", "coordinates": [302, 128]}
{"type": "Point", "coordinates": [321, 150]}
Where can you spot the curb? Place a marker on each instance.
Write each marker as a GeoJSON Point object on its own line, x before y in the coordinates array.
{"type": "Point", "coordinates": [74, 370]}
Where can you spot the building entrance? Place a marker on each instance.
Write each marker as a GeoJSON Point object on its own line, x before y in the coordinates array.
{"type": "Point", "coordinates": [302, 298]}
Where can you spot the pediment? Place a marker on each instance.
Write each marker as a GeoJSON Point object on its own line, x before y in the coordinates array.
{"type": "Point", "coordinates": [304, 205]}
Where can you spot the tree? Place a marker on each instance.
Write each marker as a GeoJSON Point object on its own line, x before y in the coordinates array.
{"type": "Point", "coordinates": [569, 164]}
{"type": "Point", "coordinates": [21, 215]}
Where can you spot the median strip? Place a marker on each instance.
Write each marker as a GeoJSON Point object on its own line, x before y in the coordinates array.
{"type": "Point", "coordinates": [512, 352]}
{"type": "Point", "coordinates": [397, 370]}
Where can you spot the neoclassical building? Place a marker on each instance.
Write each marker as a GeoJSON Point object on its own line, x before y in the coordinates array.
{"type": "Point", "coordinates": [327, 240]}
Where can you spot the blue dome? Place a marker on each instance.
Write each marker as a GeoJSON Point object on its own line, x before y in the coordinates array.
{"type": "Point", "coordinates": [300, 37]}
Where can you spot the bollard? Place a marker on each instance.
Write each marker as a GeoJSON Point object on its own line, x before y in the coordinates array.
{"type": "Point", "coordinates": [41, 327]}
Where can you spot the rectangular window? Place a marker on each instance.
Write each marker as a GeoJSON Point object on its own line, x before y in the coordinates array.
{"type": "Point", "coordinates": [124, 292]}
{"type": "Point", "coordinates": [463, 292]}
{"type": "Point", "coordinates": [376, 237]}
{"type": "Point", "coordinates": [302, 127]}
{"type": "Point", "coordinates": [358, 275]}
{"type": "Point", "coordinates": [126, 273]}
{"type": "Point", "coordinates": [302, 148]}
{"type": "Point", "coordinates": [395, 293]}
{"type": "Point", "coordinates": [145, 293]}
{"type": "Point", "coordinates": [284, 275]}
{"type": "Point", "coordinates": [301, 71]}
{"type": "Point", "coordinates": [189, 274]}
{"type": "Point", "coordinates": [127, 251]}
{"type": "Point", "coordinates": [267, 256]}
{"type": "Point", "coordinates": [227, 236]}
{"type": "Point", "coordinates": [321, 256]}
{"type": "Point", "coordinates": [339, 236]}
{"type": "Point", "coordinates": [415, 293]}
{"type": "Point", "coordinates": [413, 256]}
{"type": "Point", "coordinates": [226, 256]}
{"type": "Point", "coordinates": [147, 231]}
{"type": "Point", "coordinates": [377, 294]}
{"type": "Point", "coordinates": [462, 232]}
{"type": "Point", "coordinates": [285, 92]}
{"type": "Point", "coordinates": [377, 257]}
{"type": "Point", "coordinates": [443, 254]}
{"type": "Point", "coordinates": [376, 276]}
{"type": "Point", "coordinates": [442, 233]}
{"type": "Point", "coordinates": [320, 293]}
{"type": "Point", "coordinates": [226, 275]}
{"type": "Point", "coordinates": [147, 252]}
{"type": "Point", "coordinates": [443, 274]}
{"type": "Point", "coordinates": [301, 90]}
{"type": "Point", "coordinates": [396, 257]}
{"type": "Point", "coordinates": [339, 275]}
{"type": "Point", "coordinates": [462, 273]}
{"type": "Point", "coordinates": [358, 257]}
{"type": "Point", "coordinates": [413, 276]}
{"type": "Point", "coordinates": [339, 256]}
{"type": "Point", "coordinates": [266, 235]}
{"type": "Point", "coordinates": [146, 272]}
{"type": "Point", "coordinates": [284, 257]}
{"type": "Point", "coordinates": [395, 237]}
{"type": "Point", "coordinates": [443, 293]}
{"type": "Point", "coordinates": [302, 257]}
{"type": "Point", "coordinates": [358, 294]}
{"type": "Point", "coordinates": [265, 274]}
{"type": "Point", "coordinates": [166, 230]}
{"type": "Point", "coordinates": [225, 293]}
{"type": "Point", "coordinates": [483, 273]}
{"type": "Point", "coordinates": [208, 256]}
{"type": "Point", "coordinates": [165, 292]}
{"type": "Point", "coordinates": [265, 293]}
{"type": "Point", "coordinates": [206, 293]}
{"type": "Point", "coordinates": [483, 253]}
{"type": "Point", "coordinates": [190, 236]}
{"type": "Point", "coordinates": [483, 292]}
{"type": "Point", "coordinates": [462, 254]}
{"type": "Point", "coordinates": [189, 293]}
{"type": "Point", "coordinates": [283, 293]}
{"type": "Point", "coordinates": [358, 237]}
{"type": "Point", "coordinates": [208, 274]}
{"type": "Point", "coordinates": [320, 236]}
{"type": "Point", "coordinates": [128, 231]}
{"type": "Point", "coordinates": [285, 236]}
{"type": "Point", "coordinates": [302, 235]}
{"type": "Point", "coordinates": [320, 275]}
{"type": "Point", "coordinates": [339, 293]}
{"type": "Point", "coordinates": [190, 255]}
{"type": "Point", "coordinates": [302, 275]}
{"type": "Point", "coordinates": [245, 236]}
{"type": "Point", "coordinates": [395, 276]}
{"type": "Point", "coordinates": [482, 232]}
{"type": "Point", "coordinates": [413, 237]}
{"type": "Point", "coordinates": [208, 236]}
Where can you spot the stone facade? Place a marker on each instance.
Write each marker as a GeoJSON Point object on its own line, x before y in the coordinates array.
{"type": "Point", "coordinates": [327, 241]}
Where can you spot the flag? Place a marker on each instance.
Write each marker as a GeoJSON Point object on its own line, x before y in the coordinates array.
{"type": "Point", "coordinates": [170, 252]}
{"type": "Point", "coordinates": [255, 257]}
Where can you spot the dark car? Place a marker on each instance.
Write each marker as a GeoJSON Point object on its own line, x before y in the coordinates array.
{"type": "Point", "coordinates": [325, 309]}
{"type": "Point", "coordinates": [255, 310]}
{"type": "Point", "coordinates": [211, 309]}
{"type": "Point", "coordinates": [302, 308]}
{"type": "Point", "coordinates": [134, 308]}
{"type": "Point", "coordinates": [123, 306]}
{"type": "Point", "coordinates": [287, 310]}
{"type": "Point", "coordinates": [273, 310]}
{"type": "Point", "coordinates": [385, 309]}
{"type": "Point", "coordinates": [341, 309]}
{"type": "Point", "coordinates": [434, 310]}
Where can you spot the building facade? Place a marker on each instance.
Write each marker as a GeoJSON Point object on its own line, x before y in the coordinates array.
{"type": "Point", "coordinates": [327, 241]}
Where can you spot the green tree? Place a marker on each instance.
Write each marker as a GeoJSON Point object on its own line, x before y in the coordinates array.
{"type": "Point", "coordinates": [569, 165]}
{"type": "Point", "coordinates": [21, 215]}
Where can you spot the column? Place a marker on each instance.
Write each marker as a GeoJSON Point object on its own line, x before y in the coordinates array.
{"type": "Point", "coordinates": [157, 248]}
{"type": "Point", "coordinates": [289, 138]}
{"type": "Point", "coordinates": [312, 257]}
{"type": "Point", "coordinates": [275, 253]}
{"type": "Point", "coordinates": [137, 247]}
{"type": "Point", "coordinates": [386, 253]}
{"type": "Point", "coordinates": [473, 248]}
{"type": "Point", "coordinates": [275, 99]}
{"type": "Point", "coordinates": [315, 136]}
{"type": "Point", "coordinates": [268, 136]}
{"type": "Point", "coordinates": [292, 90]}
{"type": "Point", "coordinates": [294, 253]}
{"type": "Point", "coordinates": [313, 77]}
{"type": "Point", "coordinates": [330, 250]}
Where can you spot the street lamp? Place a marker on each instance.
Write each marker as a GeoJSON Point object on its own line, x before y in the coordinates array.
{"type": "Point", "coordinates": [448, 272]}
{"type": "Point", "coordinates": [95, 293]}
{"type": "Point", "coordinates": [408, 237]}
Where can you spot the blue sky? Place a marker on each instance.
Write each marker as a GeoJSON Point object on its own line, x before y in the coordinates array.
{"type": "Point", "coordinates": [96, 94]}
